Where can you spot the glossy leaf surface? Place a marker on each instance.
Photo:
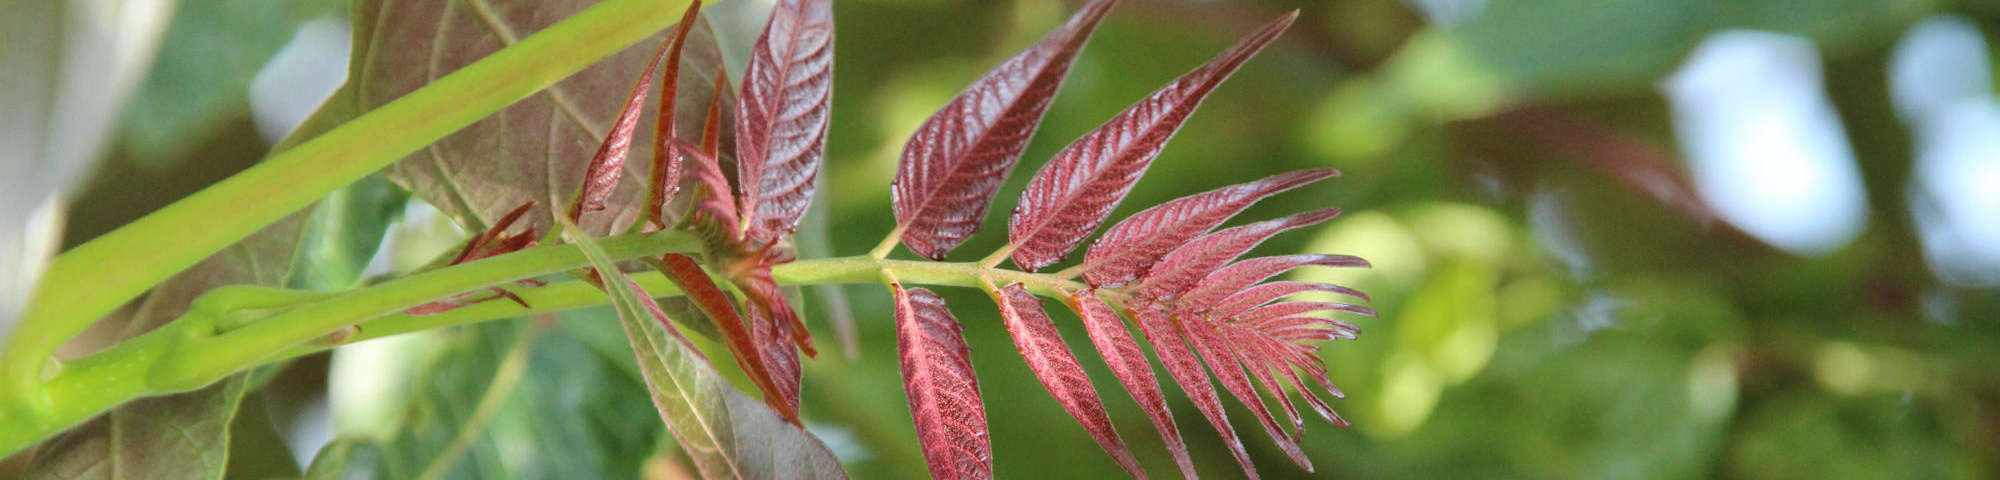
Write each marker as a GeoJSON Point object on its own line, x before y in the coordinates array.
{"type": "Point", "coordinates": [1076, 190]}
{"type": "Point", "coordinates": [954, 164]}
{"type": "Point", "coordinates": [781, 118]}
{"type": "Point", "coordinates": [1199, 258]}
{"type": "Point", "coordinates": [1128, 363]}
{"type": "Point", "coordinates": [1131, 247]}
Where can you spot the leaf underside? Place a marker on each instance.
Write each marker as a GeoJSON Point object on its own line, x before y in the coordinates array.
{"type": "Point", "coordinates": [1036, 338]}
{"type": "Point", "coordinates": [1073, 193]}
{"type": "Point", "coordinates": [955, 162]}
{"type": "Point", "coordinates": [943, 394]}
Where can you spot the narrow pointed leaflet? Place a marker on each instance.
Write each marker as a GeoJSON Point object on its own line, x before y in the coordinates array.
{"type": "Point", "coordinates": [1128, 363]}
{"type": "Point", "coordinates": [1213, 350]}
{"type": "Point", "coordinates": [1036, 338]}
{"type": "Point", "coordinates": [1131, 247]}
{"type": "Point", "coordinates": [781, 117]}
{"type": "Point", "coordinates": [721, 310]}
{"type": "Point", "coordinates": [954, 164]}
{"type": "Point", "coordinates": [666, 175]}
{"type": "Point", "coordinates": [944, 396]}
{"type": "Point", "coordinates": [1241, 275]}
{"type": "Point", "coordinates": [1196, 260]}
{"type": "Point", "coordinates": [608, 165]}
{"type": "Point", "coordinates": [1185, 368]}
{"type": "Point", "coordinates": [1076, 190]}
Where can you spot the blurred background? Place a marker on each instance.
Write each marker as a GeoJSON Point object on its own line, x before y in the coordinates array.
{"type": "Point", "coordinates": [1611, 238]}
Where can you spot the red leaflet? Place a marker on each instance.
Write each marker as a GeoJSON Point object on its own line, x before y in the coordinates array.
{"type": "Point", "coordinates": [781, 117]}
{"type": "Point", "coordinates": [666, 177]}
{"type": "Point", "coordinates": [1287, 309]}
{"type": "Point", "coordinates": [1182, 364]}
{"type": "Point", "coordinates": [1076, 190]}
{"type": "Point", "coordinates": [943, 394]}
{"type": "Point", "coordinates": [1265, 293]}
{"type": "Point", "coordinates": [957, 160]}
{"type": "Point", "coordinates": [1215, 351]}
{"type": "Point", "coordinates": [609, 163]}
{"type": "Point", "coordinates": [1134, 244]}
{"type": "Point", "coordinates": [721, 309]}
{"type": "Point", "coordinates": [1236, 277]}
{"type": "Point", "coordinates": [1128, 363]}
{"type": "Point", "coordinates": [781, 359]}
{"type": "Point", "coordinates": [1036, 338]}
{"type": "Point", "coordinates": [712, 206]}
{"type": "Point", "coordinates": [482, 246]}
{"type": "Point", "coordinates": [1198, 259]}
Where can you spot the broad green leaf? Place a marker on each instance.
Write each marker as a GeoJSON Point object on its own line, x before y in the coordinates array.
{"type": "Point", "coordinates": [728, 434]}
{"type": "Point", "coordinates": [536, 149]}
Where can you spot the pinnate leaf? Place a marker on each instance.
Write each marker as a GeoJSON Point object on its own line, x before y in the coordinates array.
{"type": "Point", "coordinates": [1198, 259]}
{"type": "Point", "coordinates": [955, 162]}
{"type": "Point", "coordinates": [1216, 352]}
{"type": "Point", "coordinates": [1129, 248]}
{"type": "Point", "coordinates": [781, 119]}
{"type": "Point", "coordinates": [1128, 363]}
{"type": "Point", "coordinates": [943, 394]}
{"type": "Point", "coordinates": [1036, 338]}
{"type": "Point", "coordinates": [1073, 193]}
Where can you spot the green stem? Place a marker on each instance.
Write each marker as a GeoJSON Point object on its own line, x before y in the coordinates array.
{"type": "Point", "coordinates": [93, 279]}
{"type": "Point", "coordinates": [191, 352]}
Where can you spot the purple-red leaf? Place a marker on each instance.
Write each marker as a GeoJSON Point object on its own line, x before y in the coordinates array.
{"type": "Point", "coordinates": [1036, 338]}
{"type": "Point", "coordinates": [1076, 190]}
{"type": "Point", "coordinates": [608, 165]}
{"type": "Point", "coordinates": [781, 358]}
{"type": "Point", "coordinates": [1216, 351]}
{"type": "Point", "coordinates": [1134, 244]}
{"type": "Point", "coordinates": [721, 309]}
{"type": "Point", "coordinates": [1185, 368]}
{"type": "Point", "coordinates": [1266, 293]}
{"type": "Point", "coordinates": [781, 117]}
{"type": "Point", "coordinates": [957, 160]}
{"type": "Point", "coordinates": [712, 205]}
{"type": "Point", "coordinates": [1198, 259]}
{"type": "Point", "coordinates": [666, 177]}
{"type": "Point", "coordinates": [1240, 275]}
{"type": "Point", "coordinates": [1287, 309]}
{"type": "Point", "coordinates": [943, 394]}
{"type": "Point", "coordinates": [1128, 363]}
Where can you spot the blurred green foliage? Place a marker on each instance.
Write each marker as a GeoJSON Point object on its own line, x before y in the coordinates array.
{"type": "Point", "coordinates": [1539, 319]}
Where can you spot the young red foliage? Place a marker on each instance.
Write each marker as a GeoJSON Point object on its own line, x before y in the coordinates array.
{"type": "Point", "coordinates": [1036, 338]}
{"type": "Point", "coordinates": [493, 241]}
{"type": "Point", "coordinates": [742, 341]}
{"type": "Point", "coordinates": [1240, 275]}
{"type": "Point", "coordinates": [1216, 352]}
{"type": "Point", "coordinates": [1191, 263]}
{"type": "Point", "coordinates": [1128, 363]}
{"type": "Point", "coordinates": [1185, 368]}
{"type": "Point", "coordinates": [781, 360]}
{"type": "Point", "coordinates": [666, 175]}
{"type": "Point", "coordinates": [601, 178]}
{"type": "Point", "coordinates": [1131, 247]}
{"type": "Point", "coordinates": [781, 117]}
{"type": "Point", "coordinates": [1266, 293]}
{"type": "Point", "coordinates": [1072, 194]}
{"type": "Point", "coordinates": [955, 163]}
{"type": "Point", "coordinates": [943, 394]}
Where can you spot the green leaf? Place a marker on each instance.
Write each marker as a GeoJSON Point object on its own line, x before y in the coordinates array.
{"type": "Point", "coordinates": [201, 80]}
{"type": "Point", "coordinates": [536, 149]}
{"type": "Point", "coordinates": [728, 434]}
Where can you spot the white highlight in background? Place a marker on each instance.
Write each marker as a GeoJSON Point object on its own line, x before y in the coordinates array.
{"type": "Point", "coordinates": [1764, 143]}
{"type": "Point", "coordinates": [1942, 84]}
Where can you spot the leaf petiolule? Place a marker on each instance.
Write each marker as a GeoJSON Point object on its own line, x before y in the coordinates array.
{"type": "Point", "coordinates": [1185, 368]}
{"type": "Point", "coordinates": [1198, 259]}
{"type": "Point", "coordinates": [608, 164]}
{"type": "Point", "coordinates": [1128, 363]}
{"type": "Point", "coordinates": [955, 162]}
{"type": "Point", "coordinates": [1130, 247]}
{"type": "Point", "coordinates": [666, 174]}
{"type": "Point", "coordinates": [1036, 338]}
{"type": "Point", "coordinates": [943, 394]}
{"type": "Point", "coordinates": [1073, 193]}
{"type": "Point", "coordinates": [1240, 275]}
{"type": "Point", "coordinates": [781, 117]}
